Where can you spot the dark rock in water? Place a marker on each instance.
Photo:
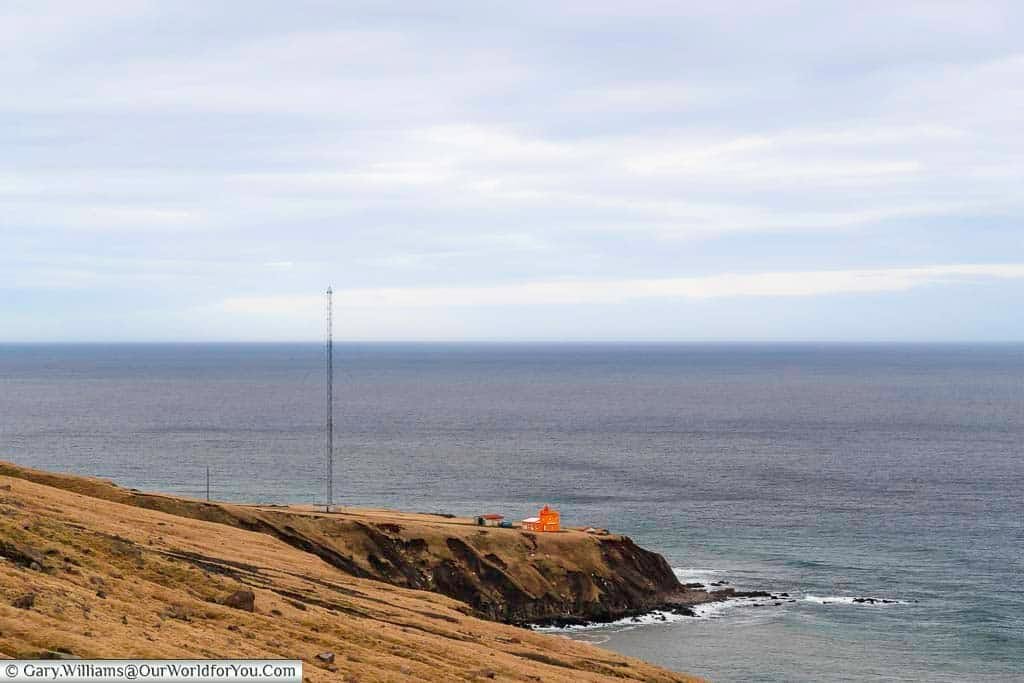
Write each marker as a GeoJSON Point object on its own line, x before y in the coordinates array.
{"type": "Point", "coordinates": [684, 611]}
{"type": "Point", "coordinates": [875, 601]}
{"type": "Point", "coordinates": [25, 601]}
{"type": "Point", "coordinates": [751, 594]}
{"type": "Point", "coordinates": [562, 622]}
{"type": "Point", "coordinates": [696, 585]}
{"type": "Point", "coordinates": [720, 583]}
{"type": "Point", "coordinates": [243, 600]}
{"type": "Point", "coordinates": [635, 620]}
{"type": "Point", "coordinates": [661, 617]}
{"type": "Point", "coordinates": [872, 601]}
{"type": "Point", "coordinates": [776, 603]}
{"type": "Point", "coordinates": [783, 595]}
{"type": "Point", "coordinates": [758, 604]}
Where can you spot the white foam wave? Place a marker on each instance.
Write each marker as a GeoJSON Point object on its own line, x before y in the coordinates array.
{"type": "Point", "coordinates": [859, 601]}
{"type": "Point", "coordinates": [716, 610]}
{"type": "Point", "coordinates": [703, 576]}
{"type": "Point", "coordinates": [707, 610]}
{"type": "Point", "coordinates": [655, 617]}
{"type": "Point", "coordinates": [695, 574]}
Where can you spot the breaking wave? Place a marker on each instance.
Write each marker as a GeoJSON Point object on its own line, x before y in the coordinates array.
{"type": "Point", "coordinates": [696, 574]}
{"type": "Point", "coordinates": [852, 600]}
{"type": "Point", "coordinates": [655, 617]}
{"type": "Point", "coordinates": [717, 610]}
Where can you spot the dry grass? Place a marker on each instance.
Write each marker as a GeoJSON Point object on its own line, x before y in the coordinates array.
{"type": "Point", "coordinates": [117, 580]}
{"type": "Point", "coordinates": [507, 574]}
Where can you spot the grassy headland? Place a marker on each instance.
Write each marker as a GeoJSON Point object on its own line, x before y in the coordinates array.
{"type": "Point", "coordinates": [97, 571]}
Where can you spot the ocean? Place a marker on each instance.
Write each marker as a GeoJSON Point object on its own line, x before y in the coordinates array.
{"type": "Point", "coordinates": [829, 472]}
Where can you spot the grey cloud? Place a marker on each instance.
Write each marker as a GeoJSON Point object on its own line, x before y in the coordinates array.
{"type": "Point", "coordinates": [184, 146]}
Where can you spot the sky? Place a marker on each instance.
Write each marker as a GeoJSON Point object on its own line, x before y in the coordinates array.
{"type": "Point", "coordinates": [691, 171]}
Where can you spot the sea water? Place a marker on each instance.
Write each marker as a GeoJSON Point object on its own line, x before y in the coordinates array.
{"type": "Point", "coordinates": [828, 472]}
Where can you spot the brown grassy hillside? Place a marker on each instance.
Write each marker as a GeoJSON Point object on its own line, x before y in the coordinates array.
{"type": "Point", "coordinates": [100, 578]}
{"type": "Point", "coordinates": [504, 574]}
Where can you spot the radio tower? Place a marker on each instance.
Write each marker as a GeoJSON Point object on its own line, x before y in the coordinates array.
{"type": "Point", "coordinates": [330, 399]}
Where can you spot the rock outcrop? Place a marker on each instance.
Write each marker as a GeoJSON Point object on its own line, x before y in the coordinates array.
{"type": "Point", "coordinates": [243, 600]}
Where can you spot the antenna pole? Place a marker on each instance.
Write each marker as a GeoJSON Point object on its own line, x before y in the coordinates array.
{"type": "Point", "coordinates": [330, 398]}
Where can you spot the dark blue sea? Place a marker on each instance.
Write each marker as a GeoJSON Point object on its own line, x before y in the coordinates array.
{"type": "Point", "coordinates": [826, 471]}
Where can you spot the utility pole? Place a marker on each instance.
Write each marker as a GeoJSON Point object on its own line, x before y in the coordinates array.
{"type": "Point", "coordinates": [330, 399]}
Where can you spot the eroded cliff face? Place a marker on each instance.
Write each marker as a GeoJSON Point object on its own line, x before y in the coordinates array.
{"type": "Point", "coordinates": [503, 575]}
{"type": "Point", "coordinates": [517, 577]}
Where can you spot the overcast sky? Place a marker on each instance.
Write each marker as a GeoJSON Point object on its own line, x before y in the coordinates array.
{"type": "Point", "coordinates": [472, 170]}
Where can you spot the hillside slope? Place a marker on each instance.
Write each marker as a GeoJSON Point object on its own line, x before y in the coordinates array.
{"type": "Point", "coordinates": [504, 574]}
{"type": "Point", "coordinates": [100, 578]}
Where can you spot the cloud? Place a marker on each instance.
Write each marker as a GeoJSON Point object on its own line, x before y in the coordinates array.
{"type": "Point", "coordinates": [579, 292]}
{"type": "Point", "coordinates": [582, 150]}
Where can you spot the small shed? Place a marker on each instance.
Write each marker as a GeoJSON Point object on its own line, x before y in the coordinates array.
{"type": "Point", "coordinates": [490, 519]}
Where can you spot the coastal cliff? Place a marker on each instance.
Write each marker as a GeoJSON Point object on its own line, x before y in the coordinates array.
{"type": "Point", "coordinates": [84, 575]}
{"type": "Point", "coordinates": [505, 575]}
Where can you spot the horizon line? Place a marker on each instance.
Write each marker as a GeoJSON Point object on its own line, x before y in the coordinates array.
{"type": "Point", "coordinates": [567, 341]}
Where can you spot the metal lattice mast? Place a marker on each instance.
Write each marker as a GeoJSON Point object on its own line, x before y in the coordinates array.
{"type": "Point", "coordinates": [330, 398]}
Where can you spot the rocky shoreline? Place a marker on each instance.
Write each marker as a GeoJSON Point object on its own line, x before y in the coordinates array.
{"type": "Point", "coordinates": [504, 575]}
{"type": "Point", "coordinates": [681, 603]}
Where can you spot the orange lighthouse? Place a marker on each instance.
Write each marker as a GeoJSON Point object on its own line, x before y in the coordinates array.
{"type": "Point", "coordinates": [546, 520]}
